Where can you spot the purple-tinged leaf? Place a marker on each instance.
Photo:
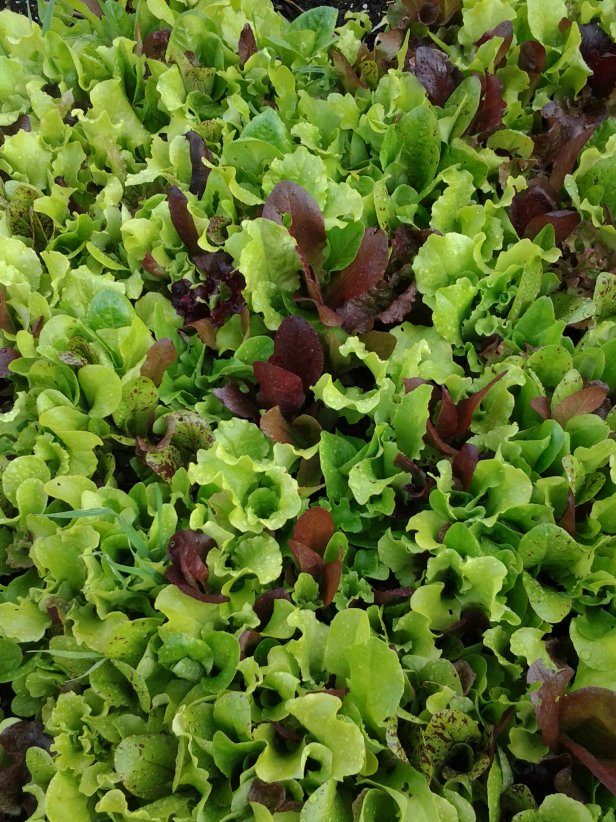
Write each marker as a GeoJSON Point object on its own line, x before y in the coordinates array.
{"type": "Point", "coordinates": [381, 342]}
{"type": "Point", "coordinates": [308, 561]}
{"type": "Point", "coordinates": [270, 794]}
{"type": "Point", "coordinates": [504, 30]}
{"type": "Point", "coordinates": [599, 53]}
{"type": "Point", "coordinates": [391, 595]}
{"type": "Point", "coordinates": [561, 144]}
{"type": "Point", "coordinates": [364, 272]}
{"type": "Point", "coordinates": [241, 404]}
{"type": "Point", "coordinates": [467, 407]}
{"type": "Point", "coordinates": [541, 406]}
{"type": "Point", "coordinates": [588, 731]}
{"type": "Point", "coordinates": [564, 221]}
{"type": "Point", "coordinates": [7, 355]}
{"type": "Point", "coordinates": [274, 426]}
{"type": "Point", "coordinates": [6, 321]}
{"type": "Point", "coordinates": [546, 699]}
{"type": "Point", "coordinates": [332, 575]}
{"type": "Point", "coordinates": [206, 331]}
{"type": "Point", "coordinates": [447, 420]}
{"type": "Point", "coordinates": [314, 528]}
{"type": "Point", "coordinates": [297, 348]}
{"type": "Point", "coordinates": [198, 152]}
{"type": "Point", "coordinates": [187, 550]}
{"type": "Point", "coordinates": [465, 674]}
{"type": "Point", "coordinates": [14, 774]}
{"type": "Point", "coordinates": [158, 359]}
{"type": "Point", "coordinates": [247, 45]}
{"type": "Point", "coordinates": [155, 44]}
{"type": "Point", "coordinates": [436, 73]}
{"type": "Point", "coordinates": [183, 221]}
{"type": "Point", "coordinates": [603, 769]}
{"type": "Point", "coordinates": [489, 115]}
{"type": "Point", "coordinates": [436, 441]}
{"type": "Point", "coordinates": [464, 464]}
{"type": "Point", "coordinates": [307, 223]}
{"type": "Point", "coordinates": [186, 433]}
{"type": "Point", "coordinates": [277, 386]}
{"type": "Point", "coordinates": [411, 383]}
{"type": "Point", "coordinates": [584, 401]}
{"type": "Point", "coordinates": [526, 205]}
{"type": "Point", "coordinates": [264, 604]}
{"type": "Point", "coordinates": [532, 57]}
{"type": "Point", "coordinates": [150, 265]}
{"type": "Point", "coordinates": [349, 79]}
{"type": "Point", "coordinates": [400, 306]}
{"type": "Point", "coordinates": [567, 521]}
{"type": "Point", "coordinates": [248, 641]}
{"type": "Point", "coordinates": [173, 577]}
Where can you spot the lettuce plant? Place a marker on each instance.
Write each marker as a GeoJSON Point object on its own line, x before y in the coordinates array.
{"type": "Point", "coordinates": [307, 369]}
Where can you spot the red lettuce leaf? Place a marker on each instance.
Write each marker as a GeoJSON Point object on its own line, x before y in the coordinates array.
{"type": "Point", "coordinates": [7, 355]}
{"type": "Point", "coordinates": [588, 731]}
{"type": "Point", "coordinates": [599, 53]}
{"type": "Point", "coordinates": [14, 774]}
{"type": "Point", "coordinates": [270, 794]}
{"type": "Point", "coordinates": [365, 271]}
{"type": "Point", "coordinates": [561, 144]}
{"type": "Point", "coordinates": [276, 427]}
{"type": "Point", "coordinates": [489, 115]}
{"type": "Point", "coordinates": [532, 57]}
{"type": "Point", "coordinates": [298, 349]}
{"type": "Point", "coordinates": [314, 528]}
{"type": "Point", "coordinates": [504, 30]}
{"type": "Point", "coordinates": [307, 224]}
{"type": "Point", "coordinates": [526, 205]}
{"type": "Point", "coordinates": [553, 685]}
{"type": "Point", "coordinates": [198, 152]}
{"type": "Point", "coordinates": [584, 401]}
{"type": "Point", "coordinates": [467, 407]}
{"type": "Point", "coordinates": [434, 71]}
{"type": "Point", "coordinates": [241, 404]}
{"type": "Point", "coordinates": [307, 559]}
{"type": "Point", "coordinates": [464, 464]}
{"type": "Point", "coordinates": [264, 604]}
{"type": "Point", "coordinates": [155, 44]}
{"type": "Point", "coordinates": [160, 356]}
{"type": "Point", "coordinates": [277, 386]}
{"type": "Point", "coordinates": [182, 220]}
{"type": "Point", "coordinates": [349, 79]}
{"type": "Point", "coordinates": [564, 222]}
{"type": "Point", "coordinates": [332, 575]}
{"type": "Point", "coordinates": [150, 265]}
{"type": "Point", "coordinates": [247, 45]}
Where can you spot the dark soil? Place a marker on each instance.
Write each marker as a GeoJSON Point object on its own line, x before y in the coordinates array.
{"type": "Point", "coordinates": [377, 9]}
